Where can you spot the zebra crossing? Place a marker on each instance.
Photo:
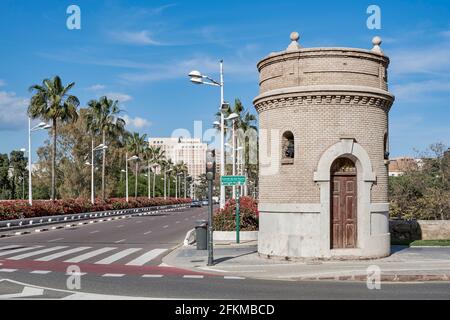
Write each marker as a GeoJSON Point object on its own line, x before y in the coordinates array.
{"type": "Point", "coordinates": [85, 254]}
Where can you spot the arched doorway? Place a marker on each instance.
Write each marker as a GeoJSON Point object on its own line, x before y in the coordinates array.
{"type": "Point", "coordinates": [343, 204]}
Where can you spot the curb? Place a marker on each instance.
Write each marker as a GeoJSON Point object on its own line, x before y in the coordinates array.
{"type": "Point", "coordinates": [385, 278]}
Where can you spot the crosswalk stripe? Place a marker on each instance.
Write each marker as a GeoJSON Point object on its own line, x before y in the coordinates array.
{"type": "Point", "coordinates": [146, 257]}
{"type": "Point", "coordinates": [36, 253]}
{"type": "Point", "coordinates": [118, 256]}
{"type": "Point", "coordinates": [18, 250]}
{"type": "Point", "coordinates": [89, 255]}
{"type": "Point", "coordinates": [62, 254]}
{"type": "Point", "coordinates": [9, 247]}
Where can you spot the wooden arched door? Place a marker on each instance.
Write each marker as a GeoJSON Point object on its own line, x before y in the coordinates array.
{"type": "Point", "coordinates": [343, 204]}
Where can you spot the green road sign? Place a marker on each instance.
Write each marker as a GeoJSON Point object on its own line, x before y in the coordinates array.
{"type": "Point", "coordinates": [228, 181]}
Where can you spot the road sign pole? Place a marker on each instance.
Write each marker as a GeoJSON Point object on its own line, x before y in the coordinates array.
{"type": "Point", "coordinates": [238, 218]}
{"type": "Point", "coordinates": [210, 225]}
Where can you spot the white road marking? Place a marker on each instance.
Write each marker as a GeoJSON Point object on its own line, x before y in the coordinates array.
{"type": "Point", "coordinates": [54, 240]}
{"type": "Point", "coordinates": [146, 257]}
{"type": "Point", "coordinates": [89, 255]}
{"type": "Point", "coordinates": [36, 253]}
{"type": "Point", "coordinates": [10, 247]}
{"type": "Point", "coordinates": [148, 232]}
{"type": "Point", "coordinates": [76, 274]}
{"type": "Point", "coordinates": [233, 278]}
{"type": "Point", "coordinates": [177, 222]}
{"type": "Point", "coordinates": [152, 276]}
{"type": "Point", "coordinates": [62, 254]}
{"type": "Point", "coordinates": [92, 232]}
{"type": "Point", "coordinates": [8, 270]}
{"type": "Point", "coordinates": [41, 272]}
{"type": "Point", "coordinates": [18, 250]}
{"type": "Point", "coordinates": [114, 275]}
{"type": "Point", "coordinates": [193, 277]}
{"type": "Point", "coordinates": [166, 226]}
{"type": "Point", "coordinates": [119, 241]}
{"type": "Point", "coordinates": [118, 256]}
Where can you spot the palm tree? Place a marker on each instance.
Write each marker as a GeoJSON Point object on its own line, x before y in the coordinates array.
{"type": "Point", "coordinates": [102, 118]}
{"type": "Point", "coordinates": [244, 123]}
{"type": "Point", "coordinates": [153, 156]}
{"type": "Point", "coordinates": [51, 102]}
{"type": "Point", "coordinates": [136, 144]}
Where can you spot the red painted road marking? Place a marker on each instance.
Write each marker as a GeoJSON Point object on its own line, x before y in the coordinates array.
{"type": "Point", "coordinates": [100, 269]}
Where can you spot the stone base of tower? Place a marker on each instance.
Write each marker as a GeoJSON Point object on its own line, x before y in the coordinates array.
{"type": "Point", "coordinates": [289, 234]}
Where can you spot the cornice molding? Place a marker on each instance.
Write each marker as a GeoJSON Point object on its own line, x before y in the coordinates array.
{"type": "Point", "coordinates": [331, 95]}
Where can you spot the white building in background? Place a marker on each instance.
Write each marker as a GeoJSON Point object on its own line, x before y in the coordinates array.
{"type": "Point", "coordinates": [191, 151]}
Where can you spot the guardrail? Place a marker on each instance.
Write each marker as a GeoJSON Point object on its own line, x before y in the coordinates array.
{"type": "Point", "coordinates": [7, 225]}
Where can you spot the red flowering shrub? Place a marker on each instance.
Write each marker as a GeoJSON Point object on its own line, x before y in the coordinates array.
{"type": "Point", "coordinates": [225, 219]}
{"type": "Point", "coordinates": [10, 210]}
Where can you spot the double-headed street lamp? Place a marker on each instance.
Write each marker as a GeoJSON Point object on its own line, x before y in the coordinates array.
{"type": "Point", "coordinates": [40, 126]}
{"type": "Point", "coordinates": [198, 78]}
{"type": "Point", "coordinates": [126, 171]}
{"type": "Point", "coordinates": [97, 148]}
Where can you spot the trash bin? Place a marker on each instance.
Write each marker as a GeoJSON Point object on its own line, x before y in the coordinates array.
{"type": "Point", "coordinates": [201, 234]}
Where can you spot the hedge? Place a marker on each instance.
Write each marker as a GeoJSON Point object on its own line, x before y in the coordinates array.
{"type": "Point", "coordinates": [19, 209]}
{"type": "Point", "coordinates": [225, 219]}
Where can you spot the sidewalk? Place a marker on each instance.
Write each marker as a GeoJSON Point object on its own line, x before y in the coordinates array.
{"type": "Point", "coordinates": [404, 264]}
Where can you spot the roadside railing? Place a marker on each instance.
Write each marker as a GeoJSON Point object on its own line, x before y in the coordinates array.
{"type": "Point", "coordinates": [7, 225]}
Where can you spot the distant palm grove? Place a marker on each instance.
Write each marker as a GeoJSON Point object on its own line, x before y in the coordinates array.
{"type": "Point", "coordinates": [63, 167]}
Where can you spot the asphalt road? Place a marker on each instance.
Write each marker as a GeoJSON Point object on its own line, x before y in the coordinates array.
{"type": "Point", "coordinates": [123, 258]}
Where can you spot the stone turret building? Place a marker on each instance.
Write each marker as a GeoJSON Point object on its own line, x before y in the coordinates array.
{"type": "Point", "coordinates": [323, 115]}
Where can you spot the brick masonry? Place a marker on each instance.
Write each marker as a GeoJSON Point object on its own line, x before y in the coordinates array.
{"type": "Point", "coordinates": [327, 97]}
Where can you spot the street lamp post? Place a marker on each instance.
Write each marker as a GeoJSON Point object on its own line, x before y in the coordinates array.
{"type": "Point", "coordinates": [92, 164]}
{"type": "Point", "coordinates": [40, 126]}
{"type": "Point", "coordinates": [198, 78]}
{"type": "Point", "coordinates": [126, 171]}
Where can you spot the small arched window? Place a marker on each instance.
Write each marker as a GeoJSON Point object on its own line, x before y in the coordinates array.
{"type": "Point", "coordinates": [288, 148]}
{"type": "Point", "coordinates": [386, 146]}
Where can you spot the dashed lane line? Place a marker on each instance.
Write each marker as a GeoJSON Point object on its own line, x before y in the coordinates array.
{"type": "Point", "coordinates": [40, 272]}
{"type": "Point", "coordinates": [113, 275]}
{"type": "Point", "coordinates": [120, 241]}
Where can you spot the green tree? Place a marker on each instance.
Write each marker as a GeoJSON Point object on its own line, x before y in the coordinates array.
{"type": "Point", "coordinates": [5, 187]}
{"type": "Point", "coordinates": [51, 102]}
{"type": "Point", "coordinates": [18, 164]}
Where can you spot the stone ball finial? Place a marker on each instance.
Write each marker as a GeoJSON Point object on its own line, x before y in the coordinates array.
{"type": "Point", "coordinates": [295, 36]}
{"type": "Point", "coordinates": [294, 46]}
{"type": "Point", "coordinates": [376, 41]}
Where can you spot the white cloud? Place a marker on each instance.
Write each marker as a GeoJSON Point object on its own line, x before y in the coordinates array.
{"type": "Point", "coordinates": [137, 122]}
{"type": "Point", "coordinates": [13, 111]}
{"type": "Point", "coordinates": [2, 83]}
{"type": "Point", "coordinates": [428, 60]}
{"type": "Point", "coordinates": [421, 90]}
{"type": "Point", "coordinates": [121, 97]}
{"type": "Point", "coordinates": [97, 87]}
{"type": "Point", "coordinates": [243, 68]}
{"type": "Point", "coordinates": [139, 38]}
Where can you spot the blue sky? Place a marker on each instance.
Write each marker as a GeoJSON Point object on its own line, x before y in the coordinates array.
{"type": "Point", "coordinates": [140, 52]}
